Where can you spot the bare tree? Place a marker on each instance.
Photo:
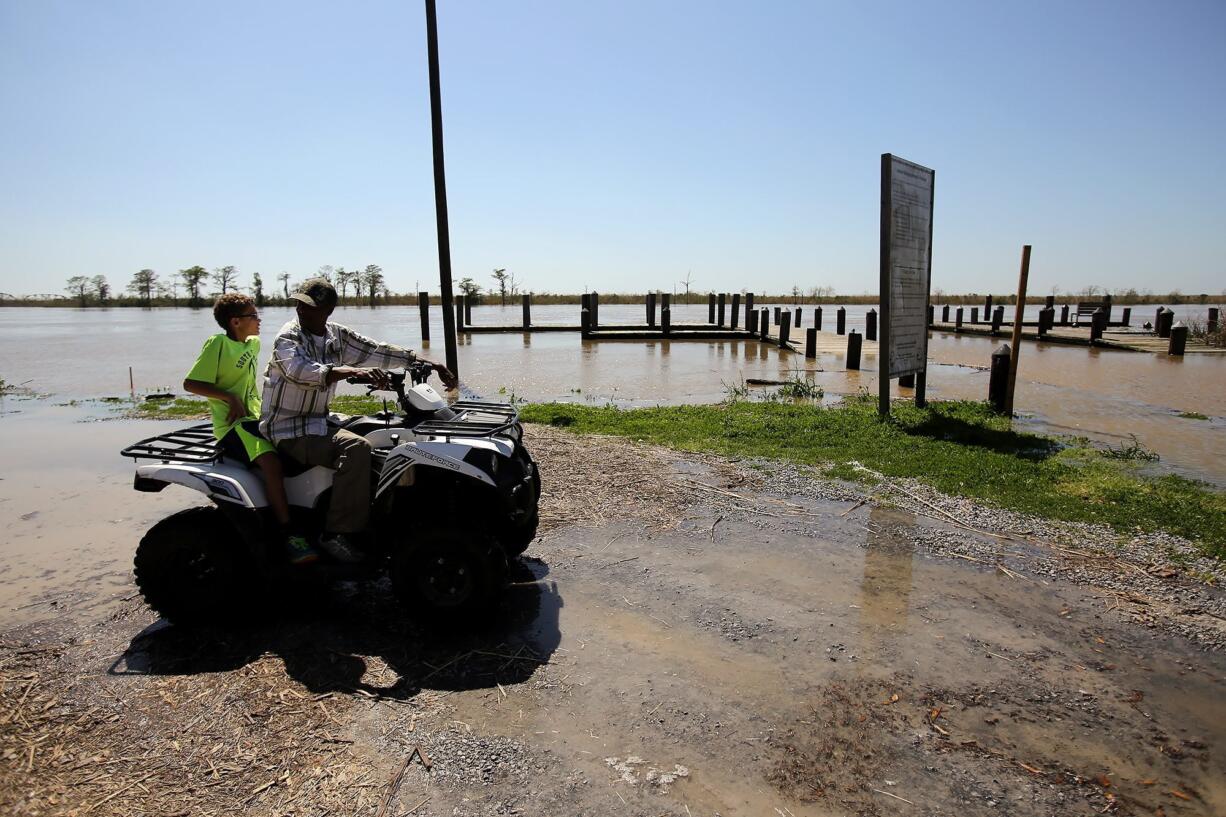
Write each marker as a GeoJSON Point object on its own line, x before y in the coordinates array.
{"type": "Point", "coordinates": [689, 275]}
{"type": "Point", "coordinates": [102, 290]}
{"type": "Point", "coordinates": [326, 271]}
{"type": "Point", "coordinates": [284, 279]}
{"type": "Point", "coordinates": [226, 278]}
{"type": "Point", "coordinates": [78, 286]}
{"type": "Point", "coordinates": [343, 279]}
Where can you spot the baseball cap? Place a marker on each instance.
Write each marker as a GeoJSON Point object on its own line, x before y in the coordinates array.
{"type": "Point", "coordinates": [316, 292]}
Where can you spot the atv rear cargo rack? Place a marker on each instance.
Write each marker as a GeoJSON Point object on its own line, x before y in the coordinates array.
{"type": "Point", "coordinates": [193, 444]}
{"type": "Point", "coordinates": [505, 416]}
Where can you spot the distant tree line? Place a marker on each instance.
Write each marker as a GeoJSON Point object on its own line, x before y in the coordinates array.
{"type": "Point", "coordinates": [196, 286]}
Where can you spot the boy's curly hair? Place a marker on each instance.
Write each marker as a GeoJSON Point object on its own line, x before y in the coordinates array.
{"type": "Point", "coordinates": [230, 305]}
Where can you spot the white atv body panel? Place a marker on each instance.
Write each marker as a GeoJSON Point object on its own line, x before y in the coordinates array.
{"type": "Point", "coordinates": [238, 485]}
{"type": "Point", "coordinates": [423, 397]}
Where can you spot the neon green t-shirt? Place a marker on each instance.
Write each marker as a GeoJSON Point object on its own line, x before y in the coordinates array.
{"type": "Point", "coordinates": [230, 366]}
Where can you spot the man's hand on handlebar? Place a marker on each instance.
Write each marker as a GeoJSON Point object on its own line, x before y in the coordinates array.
{"type": "Point", "coordinates": [444, 374]}
{"type": "Point", "coordinates": [377, 378]}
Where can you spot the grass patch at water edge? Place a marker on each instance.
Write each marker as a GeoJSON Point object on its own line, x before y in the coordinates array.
{"type": "Point", "coordinates": [960, 448]}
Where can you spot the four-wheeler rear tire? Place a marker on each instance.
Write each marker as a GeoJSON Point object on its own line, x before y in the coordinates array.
{"type": "Point", "coordinates": [449, 577]}
{"type": "Point", "coordinates": [191, 568]}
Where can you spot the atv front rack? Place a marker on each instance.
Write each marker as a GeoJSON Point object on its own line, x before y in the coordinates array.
{"type": "Point", "coordinates": [193, 444]}
{"type": "Point", "coordinates": [478, 418]}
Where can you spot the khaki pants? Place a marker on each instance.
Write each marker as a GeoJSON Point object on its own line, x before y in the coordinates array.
{"type": "Point", "coordinates": [349, 455]}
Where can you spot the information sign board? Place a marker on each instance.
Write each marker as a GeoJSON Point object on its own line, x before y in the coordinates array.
{"type": "Point", "coordinates": [906, 267]}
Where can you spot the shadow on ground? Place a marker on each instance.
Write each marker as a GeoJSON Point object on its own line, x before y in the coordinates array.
{"type": "Point", "coordinates": [328, 642]}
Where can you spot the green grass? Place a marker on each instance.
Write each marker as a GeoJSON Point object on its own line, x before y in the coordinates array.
{"type": "Point", "coordinates": [1193, 415]}
{"type": "Point", "coordinates": [961, 448]}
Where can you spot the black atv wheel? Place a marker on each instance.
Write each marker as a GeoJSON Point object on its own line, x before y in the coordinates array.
{"type": "Point", "coordinates": [190, 569]}
{"type": "Point", "coordinates": [516, 538]}
{"type": "Point", "coordinates": [449, 577]}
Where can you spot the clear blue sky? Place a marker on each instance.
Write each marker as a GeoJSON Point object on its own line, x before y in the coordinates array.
{"type": "Point", "coordinates": [615, 145]}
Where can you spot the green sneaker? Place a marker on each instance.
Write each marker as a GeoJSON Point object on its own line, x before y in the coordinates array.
{"type": "Point", "coordinates": [300, 550]}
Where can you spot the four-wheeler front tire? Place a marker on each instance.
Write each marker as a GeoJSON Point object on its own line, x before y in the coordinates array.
{"type": "Point", "coordinates": [449, 577]}
{"type": "Point", "coordinates": [192, 569]}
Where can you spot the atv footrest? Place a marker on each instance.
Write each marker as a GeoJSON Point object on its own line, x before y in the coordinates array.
{"type": "Point", "coordinates": [193, 444]}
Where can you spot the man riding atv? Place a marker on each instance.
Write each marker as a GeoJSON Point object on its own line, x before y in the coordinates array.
{"type": "Point", "coordinates": [310, 355]}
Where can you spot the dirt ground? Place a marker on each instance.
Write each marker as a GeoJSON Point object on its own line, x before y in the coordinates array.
{"type": "Point", "coordinates": [684, 638]}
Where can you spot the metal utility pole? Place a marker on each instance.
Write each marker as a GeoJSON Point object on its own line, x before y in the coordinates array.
{"type": "Point", "coordinates": [440, 191]}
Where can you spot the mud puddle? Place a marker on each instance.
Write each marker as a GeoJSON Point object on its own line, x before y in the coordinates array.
{"type": "Point", "coordinates": [758, 673]}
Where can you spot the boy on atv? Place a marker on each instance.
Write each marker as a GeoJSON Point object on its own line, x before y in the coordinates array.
{"type": "Point", "coordinates": [310, 355]}
{"type": "Point", "coordinates": [225, 373]}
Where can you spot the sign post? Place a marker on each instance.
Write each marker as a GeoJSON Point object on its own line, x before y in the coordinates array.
{"type": "Point", "coordinates": [906, 275]}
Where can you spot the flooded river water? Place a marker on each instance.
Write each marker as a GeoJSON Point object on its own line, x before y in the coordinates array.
{"type": "Point", "coordinates": [1106, 395]}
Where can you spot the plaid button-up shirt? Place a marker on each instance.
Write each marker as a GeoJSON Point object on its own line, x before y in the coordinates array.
{"type": "Point", "coordinates": [296, 392]}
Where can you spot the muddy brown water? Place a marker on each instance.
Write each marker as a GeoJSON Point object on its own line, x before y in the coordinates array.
{"type": "Point", "coordinates": [727, 666]}
{"type": "Point", "coordinates": [1106, 395]}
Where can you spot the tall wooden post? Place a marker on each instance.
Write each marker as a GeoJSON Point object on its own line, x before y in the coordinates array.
{"type": "Point", "coordinates": [440, 189]}
{"type": "Point", "coordinates": [423, 304]}
{"type": "Point", "coordinates": [651, 309]}
{"type": "Point", "coordinates": [736, 309]}
{"type": "Point", "coordinates": [721, 305]}
{"type": "Point", "coordinates": [811, 342]}
{"type": "Point", "coordinates": [870, 324]}
{"type": "Point", "coordinates": [748, 307]}
{"type": "Point", "coordinates": [666, 312]}
{"type": "Point", "coordinates": [711, 308]}
{"type": "Point", "coordinates": [527, 311]}
{"type": "Point", "coordinates": [785, 326]}
{"type": "Point", "coordinates": [817, 318]}
{"type": "Point", "coordinates": [1023, 277]}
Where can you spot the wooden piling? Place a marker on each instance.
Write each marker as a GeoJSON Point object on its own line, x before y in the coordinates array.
{"type": "Point", "coordinates": [1018, 318]}
{"type": "Point", "coordinates": [932, 314]}
{"type": "Point", "coordinates": [958, 319]}
{"type": "Point", "coordinates": [585, 314]}
{"type": "Point", "coordinates": [840, 321]}
{"type": "Point", "coordinates": [764, 322]}
{"type": "Point", "coordinates": [797, 321]}
{"type": "Point", "coordinates": [998, 315]}
{"type": "Point", "coordinates": [817, 318]}
{"type": "Point", "coordinates": [785, 327]}
{"type": "Point", "coordinates": [751, 321]}
{"type": "Point", "coordinates": [1179, 339]}
{"type": "Point", "coordinates": [711, 307]}
{"type": "Point", "coordinates": [1098, 322]}
{"type": "Point", "coordinates": [423, 306]}
{"type": "Point", "coordinates": [459, 312]}
{"type": "Point", "coordinates": [987, 308]}
{"type": "Point", "coordinates": [736, 309]}
{"type": "Point", "coordinates": [721, 305]}
{"type": "Point", "coordinates": [1126, 316]}
{"type": "Point", "coordinates": [1064, 315]}
{"type": "Point", "coordinates": [810, 342]}
{"type": "Point", "coordinates": [468, 309]}
{"type": "Point", "coordinates": [1049, 302]}
{"type": "Point", "coordinates": [748, 307]}
{"type": "Point", "coordinates": [777, 319]}
{"type": "Point", "coordinates": [1158, 321]}
{"type": "Point", "coordinates": [1166, 320]}
{"type": "Point", "coordinates": [853, 350]}
{"type": "Point", "coordinates": [974, 315]}
{"type": "Point", "coordinates": [1212, 323]}
{"type": "Point", "coordinates": [651, 309]}
{"type": "Point", "coordinates": [666, 312]}
{"type": "Point", "coordinates": [944, 315]}
{"type": "Point", "coordinates": [870, 324]}
{"type": "Point", "coordinates": [594, 305]}
{"type": "Point", "coordinates": [527, 311]}
{"type": "Point", "coordinates": [998, 379]}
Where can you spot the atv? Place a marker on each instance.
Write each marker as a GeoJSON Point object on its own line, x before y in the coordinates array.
{"type": "Point", "coordinates": [454, 495]}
